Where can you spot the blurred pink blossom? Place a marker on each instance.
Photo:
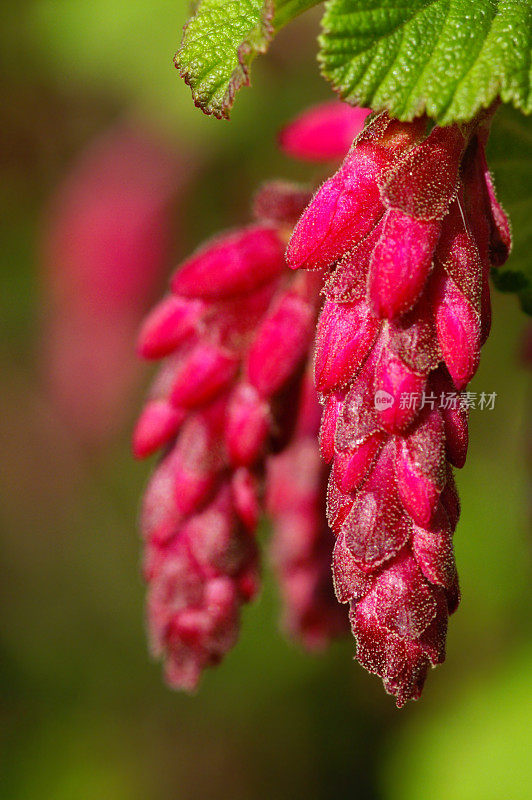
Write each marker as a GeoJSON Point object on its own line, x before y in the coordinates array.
{"type": "Point", "coordinates": [107, 241]}
{"type": "Point", "coordinates": [324, 132]}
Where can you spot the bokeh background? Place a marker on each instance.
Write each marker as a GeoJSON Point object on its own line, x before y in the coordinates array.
{"type": "Point", "coordinates": [87, 90]}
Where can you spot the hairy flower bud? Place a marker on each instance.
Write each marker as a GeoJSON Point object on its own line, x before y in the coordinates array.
{"type": "Point", "coordinates": [280, 343]}
{"type": "Point", "coordinates": [158, 423]}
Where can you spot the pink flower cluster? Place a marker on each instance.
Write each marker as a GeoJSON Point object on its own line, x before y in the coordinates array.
{"type": "Point", "coordinates": [234, 335]}
{"type": "Point", "coordinates": [406, 231]}
{"type": "Point", "coordinates": [399, 242]}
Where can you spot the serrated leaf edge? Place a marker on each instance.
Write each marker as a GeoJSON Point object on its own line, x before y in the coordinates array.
{"type": "Point", "coordinates": [506, 93]}
{"type": "Point", "coordinates": [245, 54]}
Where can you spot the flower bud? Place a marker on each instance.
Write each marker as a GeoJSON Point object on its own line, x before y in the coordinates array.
{"type": "Point", "coordinates": [248, 424]}
{"type": "Point", "coordinates": [352, 466]}
{"type": "Point", "coordinates": [342, 212]}
{"type": "Point", "coordinates": [420, 467]}
{"type": "Point", "coordinates": [377, 527]}
{"type": "Point", "coordinates": [231, 264]}
{"type": "Point", "coordinates": [403, 388]}
{"type": "Point", "coordinates": [280, 344]}
{"type": "Point", "coordinates": [455, 417]}
{"type": "Point", "coordinates": [344, 336]}
{"type": "Point", "coordinates": [202, 373]}
{"type": "Point", "coordinates": [158, 423]}
{"type": "Point", "coordinates": [350, 581]}
{"type": "Point", "coordinates": [433, 550]}
{"type": "Point", "coordinates": [245, 497]}
{"type": "Point", "coordinates": [458, 328]}
{"type": "Point", "coordinates": [400, 263]}
{"type": "Point", "coordinates": [450, 500]}
{"type": "Point", "coordinates": [329, 419]}
{"type": "Point", "coordinates": [171, 322]}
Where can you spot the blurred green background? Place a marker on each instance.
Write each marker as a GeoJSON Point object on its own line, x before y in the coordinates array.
{"type": "Point", "coordinates": [85, 715]}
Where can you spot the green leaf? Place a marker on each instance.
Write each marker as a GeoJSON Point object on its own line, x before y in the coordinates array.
{"type": "Point", "coordinates": [448, 58]}
{"type": "Point", "coordinates": [510, 159]}
{"type": "Point", "coordinates": [221, 40]}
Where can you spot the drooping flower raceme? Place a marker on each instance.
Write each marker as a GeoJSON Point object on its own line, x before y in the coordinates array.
{"type": "Point", "coordinates": [234, 334]}
{"type": "Point", "coordinates": [408, 227]}
{"type": "Point", "coordinates": [400, 241]}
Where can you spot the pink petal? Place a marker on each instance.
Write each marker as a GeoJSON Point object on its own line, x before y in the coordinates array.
{"type": "Point", "coordinates": [352, 466]}
{"type": "Point", "coordinates": [420, 467]}
{"type": "Point", "coordinates": [342, 212]}
{"type": "Point", "coordinates": [402, 388]}
{"type": "Point", "coordinates": [458, 327]}
{"type": "Point", "coordinates": [248, 423]}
